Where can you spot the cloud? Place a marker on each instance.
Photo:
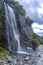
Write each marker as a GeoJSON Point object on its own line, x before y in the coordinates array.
{"type": "Point", "coordinates": [40, 26]}
{"type": "Point", "coordinates": [37, 28]}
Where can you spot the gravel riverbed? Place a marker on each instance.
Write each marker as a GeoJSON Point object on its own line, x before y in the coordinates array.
{"type": "Point", "coordinates": [20, 59]}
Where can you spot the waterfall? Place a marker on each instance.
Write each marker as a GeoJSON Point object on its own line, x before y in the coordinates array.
{"type": "Point", "coordinates": [11, 21]}
{"type": "Point", "coordinates": [12, 31]}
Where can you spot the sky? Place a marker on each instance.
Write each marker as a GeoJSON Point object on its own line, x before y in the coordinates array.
{"type": "Point", "coordinates": [34, 9]}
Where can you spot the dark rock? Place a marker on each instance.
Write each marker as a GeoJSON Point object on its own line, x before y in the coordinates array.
{"type": "Point", "coordinates": [39, 55]}
{"type": "Point", "coordinates": [25, 32]}
{"type": "Point", "coordinates": [27, 58]}
{"type": "Point", "coordinates": [9, 61]}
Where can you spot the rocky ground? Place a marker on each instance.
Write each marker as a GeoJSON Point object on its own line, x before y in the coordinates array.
{"type": "Point", "coordinates": [20, 59]}
{"type": "Point", "coordinates": [32, 58]}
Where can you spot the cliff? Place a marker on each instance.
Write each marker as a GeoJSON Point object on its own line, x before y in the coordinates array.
{"type": "Point", "coordinates": [27, 38]}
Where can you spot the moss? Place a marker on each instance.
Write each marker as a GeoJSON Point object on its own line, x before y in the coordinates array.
{"type": "Point", "coordinates": [3, 51]}
{"type": "Point", "coordinates": [36, 41]}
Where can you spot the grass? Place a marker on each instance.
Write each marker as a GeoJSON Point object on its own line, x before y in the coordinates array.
{"type": "Point", "coordinates": [3, 52]}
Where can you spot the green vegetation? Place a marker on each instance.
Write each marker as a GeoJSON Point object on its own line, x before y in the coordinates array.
{"type": "Point", "coordinates": [3, 52]}
{"type": "Point", "coordinates": [1, 27]}
{"type": "Point", "coordinates": [37, 40]}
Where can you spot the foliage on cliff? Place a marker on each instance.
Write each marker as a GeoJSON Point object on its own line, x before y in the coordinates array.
{"type": "Point", "coordinates": [37, 40]}
{"type": "Point", "coordinates": [1, 27]}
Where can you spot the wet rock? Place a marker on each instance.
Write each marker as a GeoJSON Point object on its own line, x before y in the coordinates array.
{"type": "Point", "coordinates": [15, 62]}
{"type": "Point", "coordinates": [9, 61]}
{"type": "Point", "coordinates": [27, 58]}
{"type": "Point", "coordinates": [39, 55]}
{"type": "Point", "coordinates": [1, 63]}
{"type": "Point", "coordinates": [0, 60]}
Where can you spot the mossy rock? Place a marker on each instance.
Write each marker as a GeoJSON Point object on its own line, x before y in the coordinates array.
{"type": "Point", "coordinates": [3, 52]}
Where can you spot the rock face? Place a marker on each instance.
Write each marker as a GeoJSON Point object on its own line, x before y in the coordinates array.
{"type": "Point", "coordinates": [25, 32]}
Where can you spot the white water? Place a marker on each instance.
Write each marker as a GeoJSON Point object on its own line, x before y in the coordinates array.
{"type": "Point", "coordinates": [15, 30]}
{"type": "Point", "coordinates": [7, 22]}
{"type": "Point", "coordinates": [10, 13]}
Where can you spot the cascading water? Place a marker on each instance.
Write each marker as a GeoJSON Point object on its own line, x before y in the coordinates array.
{"type": "Point", "coordinates": [11, 25]}
{"type": "Point", "coordinates": [11, 20]}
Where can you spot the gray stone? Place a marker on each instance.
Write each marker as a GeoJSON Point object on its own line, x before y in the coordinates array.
{"type": "Point", "coordinates": [27, 58]}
